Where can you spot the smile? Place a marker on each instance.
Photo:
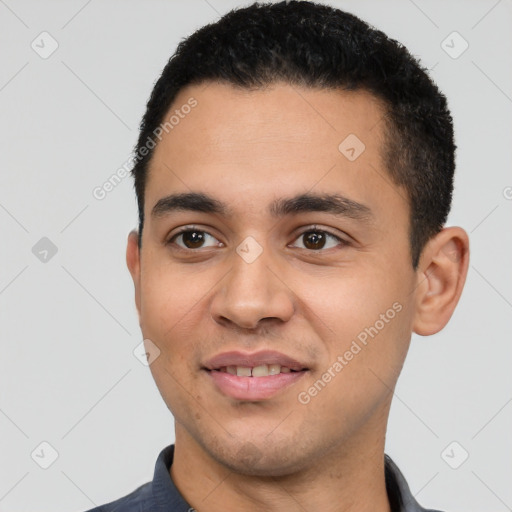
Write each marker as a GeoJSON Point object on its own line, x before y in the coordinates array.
{"type": "Point", "coordinates": [253, 384]}
{"type": "Point", "coordinates": [257, 371]}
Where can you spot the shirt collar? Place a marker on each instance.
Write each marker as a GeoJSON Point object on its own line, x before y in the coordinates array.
{"type": "Point", "coordinates": [167, 497]}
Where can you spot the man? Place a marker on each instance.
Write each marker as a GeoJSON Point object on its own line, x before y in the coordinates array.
{"type": "Point", "coordinates": [294, 174]}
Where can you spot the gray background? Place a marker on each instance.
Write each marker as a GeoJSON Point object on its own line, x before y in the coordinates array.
{"type": "Point", "coordinates": [68, 325]}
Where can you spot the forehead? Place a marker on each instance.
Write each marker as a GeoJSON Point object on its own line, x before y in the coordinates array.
{"type": "Point", "coordinates": [251, 146]}
{"type": "Point", "coordinates": [230, 118]}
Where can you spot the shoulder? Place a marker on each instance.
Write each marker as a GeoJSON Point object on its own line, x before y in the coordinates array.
{"type": "Point", "coordinates": [138, 500]}
{"type": "Point", "coordinates": [158, 494]}
{"type": "Point", "coordinates": [400, 497]}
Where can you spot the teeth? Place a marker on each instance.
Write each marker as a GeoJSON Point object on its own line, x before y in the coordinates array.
{"type": "Point", "coordinates": [262, 370]}
{"type": "Point", "coordinates": [274, 369]}
{"type": "Point", "coordinates": [243, 371]}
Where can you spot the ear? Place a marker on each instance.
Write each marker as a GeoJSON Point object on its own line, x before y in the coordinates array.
{"type": "Point", "coordinates": [133, 263]}
{"type": "Point", "coordinates": [442, 272]}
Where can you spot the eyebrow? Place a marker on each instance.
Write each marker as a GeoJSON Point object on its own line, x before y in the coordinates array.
{"type": "Point", "coordinates": [308, 202]}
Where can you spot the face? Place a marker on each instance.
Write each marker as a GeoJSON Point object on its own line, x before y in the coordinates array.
{"type": "Point", "coordinates": [298, 264]}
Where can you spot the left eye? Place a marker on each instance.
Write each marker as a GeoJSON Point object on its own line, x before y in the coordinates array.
{"type": "Point", "coordinates": [316, 239]}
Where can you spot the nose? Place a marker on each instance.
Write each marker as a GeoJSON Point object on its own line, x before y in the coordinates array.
{"type": "Point", "coordinates": [251, 292]}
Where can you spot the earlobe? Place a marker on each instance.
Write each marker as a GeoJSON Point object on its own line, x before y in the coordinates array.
{"type": "Point", "coordinates": [133, 263]}
{"type": "Point", "coordinates": [441, 276]}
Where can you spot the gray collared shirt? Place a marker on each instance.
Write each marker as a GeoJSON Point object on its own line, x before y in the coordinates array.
{"type": "Point", "coordinates": [161, 495]}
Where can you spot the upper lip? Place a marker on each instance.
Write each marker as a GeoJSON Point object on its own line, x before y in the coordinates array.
{"type": "Point", "coordinates": [238, 358]}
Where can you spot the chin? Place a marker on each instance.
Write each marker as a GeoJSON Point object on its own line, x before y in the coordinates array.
{"type": "Point", "coordinates": [267, 461]}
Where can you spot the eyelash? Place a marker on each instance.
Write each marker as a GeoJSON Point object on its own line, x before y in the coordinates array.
{"type": "Point", "coordinates": [311, 229]}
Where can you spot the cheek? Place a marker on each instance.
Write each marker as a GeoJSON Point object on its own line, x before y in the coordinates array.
{"type": "Point", "coordinates": [168, 295]}
{"type": "Point", "coordinates": [175, 315]}
{"type": "Point", "coordinates": [364, 316]}
{"type": "Point", "coordinates": [347, 301]}
{"type": "Point", "coordinates": [170, 303]}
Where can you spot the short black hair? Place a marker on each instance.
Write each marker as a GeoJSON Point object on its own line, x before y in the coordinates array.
{"type": "Point", "coordinates": [318, 46]}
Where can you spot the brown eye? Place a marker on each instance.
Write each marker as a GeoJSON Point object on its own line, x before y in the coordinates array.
{"type": "Point", "coordinates": [191, 239]}
{"type": "Point", "coordinates": [316, 239]}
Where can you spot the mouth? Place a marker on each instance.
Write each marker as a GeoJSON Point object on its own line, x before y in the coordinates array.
{"type": "Point", "coordinates": [262, 370]}
{"type": "Point", "coordinates": [253, 384]}
{"type": "Point", "coordinates": [253, 377]}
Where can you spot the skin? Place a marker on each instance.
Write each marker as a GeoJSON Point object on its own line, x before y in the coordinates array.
{"type": "Point", "coordinates": [247, 148]}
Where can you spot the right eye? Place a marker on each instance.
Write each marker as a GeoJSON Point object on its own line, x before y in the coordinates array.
{"type": "Point", "coordinates": [190, 239]}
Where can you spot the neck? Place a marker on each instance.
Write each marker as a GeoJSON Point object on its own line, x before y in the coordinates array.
{"type": "Point", "coordinates": [348, 478]}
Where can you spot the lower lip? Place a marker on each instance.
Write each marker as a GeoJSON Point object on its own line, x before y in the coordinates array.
{"type": "Point", "coordinates": [253, 388]}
